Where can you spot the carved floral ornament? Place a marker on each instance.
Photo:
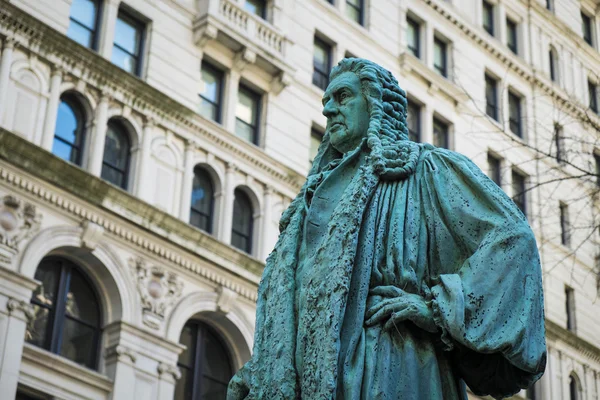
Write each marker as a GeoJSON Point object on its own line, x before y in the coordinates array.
{"type": "Point", "coordinates": [159, 290]}
{"type": "Point", "coordinates": [18, 222]}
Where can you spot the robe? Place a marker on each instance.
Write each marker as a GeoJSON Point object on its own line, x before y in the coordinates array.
{"type": "Point", "coordinates": [447, 233]}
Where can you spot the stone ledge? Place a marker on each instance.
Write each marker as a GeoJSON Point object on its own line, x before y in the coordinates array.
{"type": "Point", "coordinates": [557, 332]}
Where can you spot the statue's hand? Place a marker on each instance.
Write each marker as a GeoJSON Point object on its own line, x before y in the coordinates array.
{"type": "Point", "coordinates": [397, 306]}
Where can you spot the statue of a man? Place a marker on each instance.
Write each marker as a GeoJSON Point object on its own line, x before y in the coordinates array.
{"type": "Point", "coordinates": [401, 270]}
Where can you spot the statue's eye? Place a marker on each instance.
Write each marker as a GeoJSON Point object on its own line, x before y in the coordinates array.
{"type": "Point", "coordinates": [344, 96]}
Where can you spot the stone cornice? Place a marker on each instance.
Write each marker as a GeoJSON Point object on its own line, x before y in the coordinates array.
{"type": "Point", "coordinates": [60, 51]}
{"type": "Point", "coordinates": [116, 330]}
{"type": "Point", "coordinates": [33, 160]}
{"type": "Point", "coordinates": [511, 61]}
{"type": "Point", "coordinates": [556, 332]}
{"type": "Point", "coordinates": [46, 360]}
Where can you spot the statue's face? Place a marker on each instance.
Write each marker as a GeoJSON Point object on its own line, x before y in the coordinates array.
{"type": "Point", "coordinates": [346, 110]}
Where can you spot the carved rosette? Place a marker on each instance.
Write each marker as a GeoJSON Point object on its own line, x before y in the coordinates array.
{"type": "Point", "coordinates": [159, 290]}
{"type": "Point", "coordinates": [18, 222]}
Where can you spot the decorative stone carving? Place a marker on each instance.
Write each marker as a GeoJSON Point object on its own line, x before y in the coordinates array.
{"type": "Point", "coordinates": [14, 305]}
{"type": "Point", "coordinates": [121, 353]}
{"type": "Point", "coordinates": [226, 299]}
{"type": "Point", "coordinates": [165, 370]}
{"type": "Point", "coordinates": [91, 235]}
{"type": "Point", "coordinates": [159, 289]}
{"type": "Point", "coordinates": [18, 222]}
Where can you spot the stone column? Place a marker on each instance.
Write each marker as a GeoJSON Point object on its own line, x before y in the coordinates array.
{"type": "Point", "coordinates": [52, 110]}
{"type": "Point", "coordinates": [107, 27]}
{"type": "Point", "coordinates": [5, 64]}
{"type": "Point", "coordinates": [96, 150]}
{"type": "Point", "coordinates": [228, 198]}
{"type": "Point", "coordinates": [188, 177]}
{"type": "Point", "coordinates": [500, 22]}
{"type": "Point", "coordinates": [120, 364]}
{"type": "Point", "coordinates": [168, 374]}
{"type": "Point", "coordinates": [231, 98]}
{"type": "Point", "coordinates": [144, 172]}
{"type": "Point", "coordinates": [428, 45]}
{"type": "Point", "coordinates": [15, 312]}
{"type": "Point", "coordinates": [267, 217]}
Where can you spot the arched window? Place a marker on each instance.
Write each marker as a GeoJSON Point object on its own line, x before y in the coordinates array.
{"type": "Point", "coordinates": [241, 227]}
{"type": "Point", "coordinates": [573, 388]}
{"type": "Point", "coordinates": [203, 192]}
{"type": "Point", "coordinates": [66, 313]}
{"type": "Point", "coordinates": [205, 364]}
{"type": "Point", "coordinates": [69, 133]}
{"type": "Point", "coordinates": [117, 150]}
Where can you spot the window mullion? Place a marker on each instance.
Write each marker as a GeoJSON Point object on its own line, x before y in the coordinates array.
{"type": "Point", "coordinates": [60, 308]}
{"type": "Point", "coordinates": [198, 354]}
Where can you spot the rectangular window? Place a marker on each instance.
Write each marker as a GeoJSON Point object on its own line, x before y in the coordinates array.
{"type": "Point", "coordinates": [440, 57]}
{"type": "Point", "coordinates": [553, 59]}
{"type": "Point", "coordinates": [565, 225]}
{"type": "Point", "coordinates": [83, 22]}
{"type": "Point", "coordinates": [514, 114]}
{"type": "Point", "coordinates": [597, 160]}
{"type": "Point", "coordinates": [413, 120]}
{"type": "Point", "coordinates": [570, 308]}
{"type": "Point", "coordinates": [321, 63]}
{"type": "Point", "coordinates": [355, 10]}
{"type": "Point", "coordinates": [593, 94]}
{"type": "Point", "coordinates": [440, 133]}
{"type": "Point", "coordinates": [586, 26]}
{"type": "Point", "coordinates": [511, 36]}
{"type": "Point", "coordinates": [494, 171]}
{"type": "Point", "coordinates": [127, 48]}
{"type": "Point", "coordinates": [491, 97]}
{"type": "Point", "coordinates": [550, 5]}
{"type": "Point", "coordinates": [211, 87]}
{"type": "Point", "coordinates": [256, 7]}
{"type": "Point", "coordinates": [559, 143]}
{"type": "Point", "coordinates": [519, 196]}
{"type": "Point", "coordinates": [413, 37]}
{"type": "Point", "coordinates": [315, 141]}
{"type": "Point", "coordinates": [488, 17]}
{"type": "Point", "coordinates": [247, 114]}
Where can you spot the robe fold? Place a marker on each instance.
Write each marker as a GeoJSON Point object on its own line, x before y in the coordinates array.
{"type": "Point", "coordinates": [447, 233]}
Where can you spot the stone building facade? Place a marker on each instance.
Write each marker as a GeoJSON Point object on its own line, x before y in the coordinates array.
{"type": "Point", "coordinates": [148, 148]}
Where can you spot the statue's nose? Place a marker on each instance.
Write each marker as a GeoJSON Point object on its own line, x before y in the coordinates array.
{"type": "Point", "coordinates": [330, 109]}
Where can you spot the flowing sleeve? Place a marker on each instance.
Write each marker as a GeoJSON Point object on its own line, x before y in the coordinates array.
{"type": "Point", "coordinates": [485, 273]}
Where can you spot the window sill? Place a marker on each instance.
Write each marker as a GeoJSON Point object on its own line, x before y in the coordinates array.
{"type": "Point", "coordinates": [60, 377]}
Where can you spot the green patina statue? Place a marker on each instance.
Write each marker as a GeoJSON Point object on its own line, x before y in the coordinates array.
{"type": "Point", "coordinates": [401, 270]}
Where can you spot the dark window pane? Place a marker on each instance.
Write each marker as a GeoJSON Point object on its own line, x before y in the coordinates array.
{"type": "Point", "coordinates": [354, 10]}
{"type": "Point", "coordinates": [593, 95]}
{"type": "Point", "coordinates": [127, 35]}
{"type": "Point", "coordinates": [216, 364]}
{"type": "Point", "coordinates": [315, 141]}
{"type": "Point", "coordinates": [518, 189]}
{"type": "Point", "coordinates": [553, 59]}
{"type": "Point", "coordinates": [212, 390]}
{"type": "Point", "coordinates": [81, 302]}
{"type": "Point", "coordinates": [242, 222]}
{"type": "Point", "coordinates": [440, 57]}
{"type": "Point", "coordinates": [202, 200]}
{"type": "Point", "coordinates": [511, 36]}
{"type": "Point", "coordinates": [440, 134]}
{"type": "Point", "coordinates": [413, 37]}
{"type": "Point", "coordinates": [256, 7]}
{"type": "Point", "coordinates": [80, 34]}
{"type": "Point", "coordinates": [587, 28]}
{"type": "Point", "coordinates": [494, 169]}
{"type": "Point", "coordinates": [244, 131]}
{"type": "Point", "coordinates": [514, 111]}
{"type": "Point", "coordinates": [209, 110]}
{"type": "Point", "coordinates": [67, 123]}
{"type": "Point", "coordinates": [115, 163]}
{"type": "Point", "coordinates": [573, 392]}
{"type": "Point", "coordinates": [247, 107]}
{"type": "Point", "coordinates": [124, 60]}
{"type": "Point", "coordinates": [321, 63]}
{"type": "Point", "coordinates": [78, 343]}
{"type": "Point", "coordinates": [188, 339]}
{"type": "Point", "coordinates": [211, 84]}
{"type": "Point", "coordinates": [491, 97]}
{"type": "Point", "coordinates": [64, 151]}
{"type": "Point", "coordinates": [488, 17]}
{"type": "Point", "coordinates": [413, 119]}
{"type": "Point", "coordinates": [48, 273]}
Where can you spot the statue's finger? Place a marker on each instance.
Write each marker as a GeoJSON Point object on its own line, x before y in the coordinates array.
{"type": "Point", "coordinates": [387, 291]}
{"type": "Point", "coordinates": [397, 318]}
{"type": "Point", "coordinates": [384, 313]}
{"type": "Point", "coordinates": [373, 310]}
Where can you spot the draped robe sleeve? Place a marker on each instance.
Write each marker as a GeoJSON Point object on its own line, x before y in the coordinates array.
{"type": "Point", "coordinates": [485, 276]}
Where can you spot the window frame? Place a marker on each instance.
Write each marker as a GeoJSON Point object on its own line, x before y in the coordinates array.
{"type": "Point", "coordinates": [488, 10]}
{"type": "Point", "coordinates": [257, 97]}
{"type": "Point", "coordinates": [315, 133]}
{"type": "Point", "coordinates": [127, 170]}
{"type": "Point", "coordinates": [250, 236]}
{"type": "Point", "coordinates": [411, 22]}
{"type": "Point", "coordinates": [437, 122]}
{"type": "Point", "coordinates": [492, 103]}
{"type": "Point", "coordinates": [418, 108]}
{"type": "Point", "coordinates": [200, 330]}
{"type": "Point", "coordinates": [96, 33]}
{"type": "Point", "coordinates": [210, 216]}
{"type": "Point", "coordinates": [441, 69]}
{"type": "Point", "coordinates": [565, 225]}
{"type": "Point", "coordinates": [80, 115]}
{"type": "Point", "coordinates": [587, 29]}
{"type": "Point", "coordinates": [558, 136]}
{"type": "Point", "coordinates": [495, 168]}
{"type": "Point", "coordinates": [221, 75]}
{"type": "Point", "coordinates": [593, 94]}
{"type": "Point", "coordinates": [360, 9]}
{"type": "Point", "coordinates": [597, 162]}
{"type": "Point", "coordinates": [570, 309]}
{"type": "Point", "coordinates": [518, 119]}
{"type": "Point", "coordinates": [553, 59]}
{"type": "Point", "coordinates": [262, 15]}
{"type": "Point", "coordinates": [131, 17]}
{"type": "Point", "coordinates": [521, 201]}
{"type": "Point", "coordinates": [57, 313]}
{"type": "Point", "coordinates": [317, 72]}
{"type": "Point", "coordinates": [512, 34]}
